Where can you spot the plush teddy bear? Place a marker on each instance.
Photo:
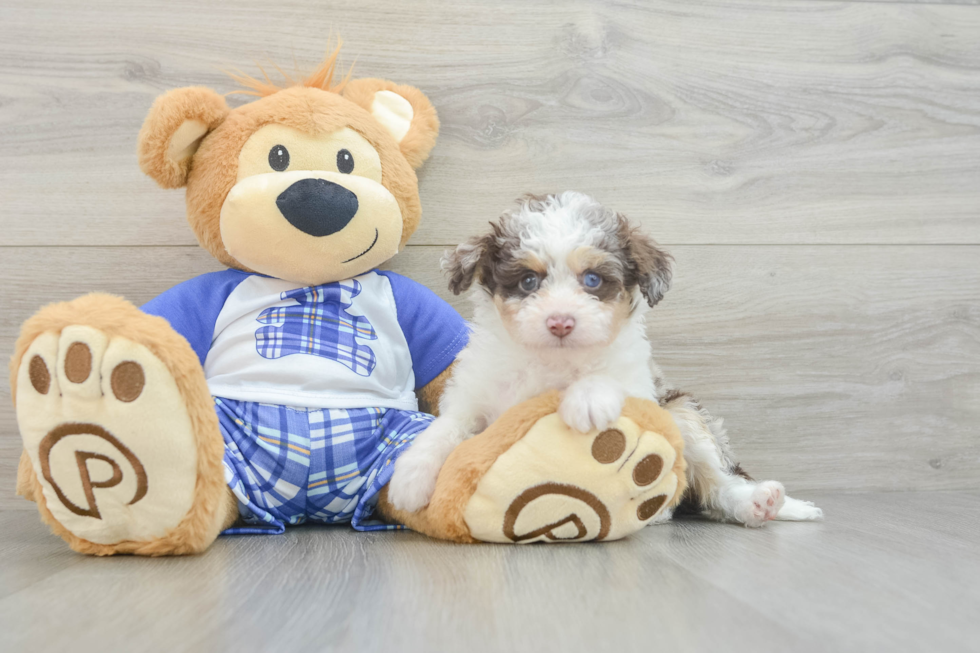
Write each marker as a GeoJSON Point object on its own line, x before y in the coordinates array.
{"type": "Point", "coordinates": [282, 389]}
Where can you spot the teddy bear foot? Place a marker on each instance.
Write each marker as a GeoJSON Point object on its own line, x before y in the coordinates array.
{"type": "Point", "coordinates": [123, 444]}
{"type": "Point", "coordinates": [574, 486]}
{"type": "Point", "coordinates": [531, 478]}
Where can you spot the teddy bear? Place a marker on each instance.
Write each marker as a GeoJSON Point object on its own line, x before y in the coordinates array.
{"type": "Point", "coordinates": [282, 390]}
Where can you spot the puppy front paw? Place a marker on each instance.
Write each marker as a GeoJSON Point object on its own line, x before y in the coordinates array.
{"type": "Point", "coordinates": [591, 404]}
{"type": "Point", "coordinates": [414, 480]}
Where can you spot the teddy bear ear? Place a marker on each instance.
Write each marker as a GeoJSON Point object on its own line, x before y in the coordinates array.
{"type": "Point", "coordinates": [177, 123]}
{"type": "Point", "coordinates": [403, 111]}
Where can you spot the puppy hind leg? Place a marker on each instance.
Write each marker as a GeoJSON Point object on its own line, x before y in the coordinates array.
{"type": "Point", "coordinates": [705, 468]}
{"type": "Point", "coordinates": [720, 487]}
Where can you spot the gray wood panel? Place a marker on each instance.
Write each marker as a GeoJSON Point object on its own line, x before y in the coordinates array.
{"type": "Point", "coordinates": [874, 576]}
{"type": "Point", "coordinates": [848, 367]}
{"type": "Point", "coordinates": [770, 121]}
{"type": "Point", "coordinates": [908, 2]}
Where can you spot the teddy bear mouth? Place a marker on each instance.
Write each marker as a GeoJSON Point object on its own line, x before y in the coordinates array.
{"type": "Point", "coordinates": [370, 247]}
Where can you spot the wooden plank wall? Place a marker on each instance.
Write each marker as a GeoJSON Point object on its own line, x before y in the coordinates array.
{"type": "Point", "coordinates": [813, 166]}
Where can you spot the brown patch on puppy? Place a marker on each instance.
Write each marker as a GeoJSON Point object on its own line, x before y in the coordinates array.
{"type": "Point", "coordinates": [649, 266]}
{"type": "Point", "coordinates": [622, 310]}
{"type": "Point", "coordinates": [464, 263]}
{"type": "Point", "coordinates": [508, 309]}
{"type": "Point", "coordinates": [692, 503]}
{"type": "Point", "coordinates": [506, 272]}
{"type": "Point", "coordinates": [586, 258]}
{"type": "Point", "coordinates": [607, 265]}
{"type": "Point", "coordinates": [671, 396]}
{"type": "Point", "coordinates": [494, 260]}
{"type": "Point", "coordinates": [738, 471]}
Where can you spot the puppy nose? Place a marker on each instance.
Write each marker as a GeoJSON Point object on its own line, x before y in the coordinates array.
{"type": "Point", "coordinates": [317, 207]}
{"type": "Point", "coordinates": [560, 325]}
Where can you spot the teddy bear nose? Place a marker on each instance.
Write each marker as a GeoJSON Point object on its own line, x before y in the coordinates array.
{"type": "Point", "coordinates": [317, 207]}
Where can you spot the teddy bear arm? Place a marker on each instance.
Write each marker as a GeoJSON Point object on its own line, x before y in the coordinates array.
{"type": "Point", "coordinates": [430, 393]}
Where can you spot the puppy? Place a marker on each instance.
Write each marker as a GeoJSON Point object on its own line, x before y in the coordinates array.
{"type": "Point", "coordinates": [564, 288]}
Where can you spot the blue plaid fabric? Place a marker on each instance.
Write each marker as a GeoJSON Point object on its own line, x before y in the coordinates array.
{"type": "Point", "coordinates": [319, 324]}
{"type": "Point", "coordinates": [292, 465]}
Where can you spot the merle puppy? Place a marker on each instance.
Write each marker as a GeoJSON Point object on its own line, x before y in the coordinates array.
{"type": "Point", "coordinates": [564, 286]}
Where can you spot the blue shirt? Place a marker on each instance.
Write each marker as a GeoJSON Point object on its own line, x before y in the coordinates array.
{"type": "Point", "coordinates": [364, 342]}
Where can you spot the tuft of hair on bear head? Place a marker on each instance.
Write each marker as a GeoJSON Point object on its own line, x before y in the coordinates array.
{"type": "Point", "coordinates": [321, 78]}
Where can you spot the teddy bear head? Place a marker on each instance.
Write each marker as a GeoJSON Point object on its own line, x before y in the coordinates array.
{"type": "Point", "coordinates": [311, 183]}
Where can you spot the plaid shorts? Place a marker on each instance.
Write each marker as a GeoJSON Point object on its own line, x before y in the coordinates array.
{"type": "Point", "coordinates": [292, 465]}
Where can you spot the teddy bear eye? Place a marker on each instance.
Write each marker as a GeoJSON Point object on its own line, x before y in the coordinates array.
{"type": "Point", "coordinates": [279, 158]}
{"type": "Point", "coordinates": [345, 162]}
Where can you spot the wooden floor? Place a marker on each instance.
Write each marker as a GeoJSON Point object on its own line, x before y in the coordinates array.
{"type": "Point", "coordinates": [813, 166]}
{"type": "Point", "coordinates": [886, 572]}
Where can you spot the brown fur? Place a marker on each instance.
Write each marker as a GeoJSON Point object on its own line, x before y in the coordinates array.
{"type": "Point", "coordinates": [472, 258]}
{"type": "Point", "coordinates": [608, 266]}
{"type": "Point", "coordinates": [118, 318]}
{"type": "Point", "coordinates": [429, 394]}
{"type": "Point", "coordinates": [650, 266]}
{"type": "Point", "coordinates": [168, 113]}
{"type": "Point", "coordinates": [25, 475]}
{"type": "Point", "coordinates": [469, 462]}
{"type": "Point", "coordinates": [421, 136]}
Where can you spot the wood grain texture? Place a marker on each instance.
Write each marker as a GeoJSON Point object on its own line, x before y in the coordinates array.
{"type": "Point", "coordinates": [908, 2]}
{"type": "Point", "coordinates": [851, 367]}
{"type": "Point", "coordinates": [762, 121]}
{"type": "Point", "coordinates": [874, 576]}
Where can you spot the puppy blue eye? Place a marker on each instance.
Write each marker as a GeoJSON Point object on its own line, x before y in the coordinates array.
{"type": "Point", "coordinates": [591, 280]}
{"type": "Point", "coordinates": [529, 282]}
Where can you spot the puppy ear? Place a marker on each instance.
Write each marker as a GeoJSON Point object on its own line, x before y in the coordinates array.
{"type": "Point", "coordinates": [177, 123]}
{"type": "Point", "coordinates": [468, 259]}
{"type": "Point", "coordinates": [650, 264]}
{"type": "Point", "coordinates": [403, 111]}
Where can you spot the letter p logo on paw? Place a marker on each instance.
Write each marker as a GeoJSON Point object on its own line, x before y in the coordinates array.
{"type": "Point", "coordinates": [70, 436]}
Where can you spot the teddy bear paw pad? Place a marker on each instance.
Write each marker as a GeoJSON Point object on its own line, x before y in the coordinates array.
{"type": "Point", "coordinates": [559, 485]}
{"type": "Point", "coordinates": [108, 435]}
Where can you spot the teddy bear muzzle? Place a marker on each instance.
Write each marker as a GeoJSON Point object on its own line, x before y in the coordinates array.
{"type": "Point", "coordinates": [310, 226]}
